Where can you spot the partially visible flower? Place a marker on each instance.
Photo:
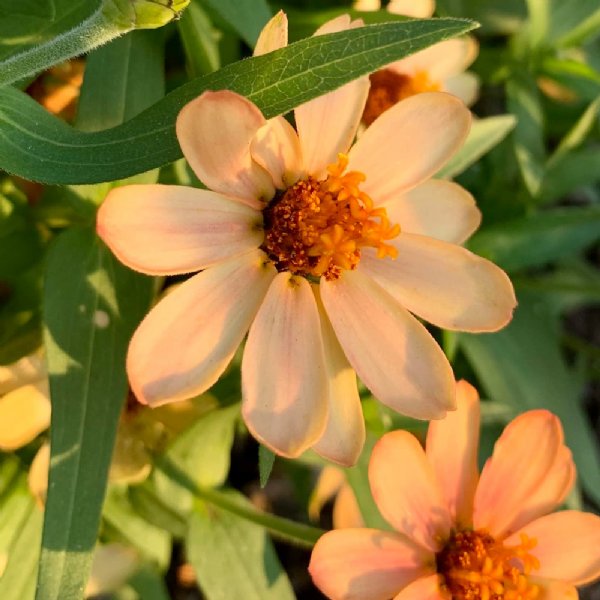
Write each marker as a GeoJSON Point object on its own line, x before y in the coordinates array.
{"type": "Point", "coordinates": [410, 8]}
{"type": "Point", "coordinates": [112, 566]}
{"type": "Point", "coordinates": [299, 242]}
{"type": "Point", "coordinates": [332, 485]}
{"type": "Point", "coordinates": [460, 536]}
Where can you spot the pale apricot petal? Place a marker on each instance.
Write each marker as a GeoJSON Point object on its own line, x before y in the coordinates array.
{"type": "Point", "coordinates": [344, 437]}
{"type": "Point", "coordinates": [523, 458]}
{"type": "Point", "coordinates": [186, 341]}
{"type": "Point", "coordinates": [29, 369]}
{"type": "Point", "coordinates": [366, 564]}
{"type": "Point", "coordinates": [37, 478]}
{"type": "Point", "coordinates": [444, 284]}
{"type": "Point", "coordinates": [284, 384]}
{"type": "Point", "coordinates": [346, 512]}
{"type": "Point", "coordinates": [407, 492]}
{"type": "Point", "coordinates": [367, 5]}
{"type": "Point", "coordinates": [440, 61]}
{"type": "Point", "coordinates": [440, 209]}
{"type": "Point", "coordinates": [428, 129]}
{"type": "Point", "coordinates": [451, 448]}
{"type": "Point", "coordinates": [464, 86]}
{"type": "Point", "coordinates": [214, 132]}
{"type": "Point", "coordinates": [330, 481]}
{"type": "Point", "coordinates": [24, 414]}
{"type": "Point", "coordinates": [568, 544]}
{"type": "Point", "coordinates": [172, 229]}
{"type": "Point", "coordinates": [391, 351]}
{"type": "Point", "coordinates": [273, 36]}
{"type": "Point", "coordinates": [276, 147]}
{"type": "Point", "coordinates": [112, 565]}
{"type": "Point", "coordinates": [327, 125]}
{"type": "Point", "coordinates": [555, 590]}
{"type": "Point", "coordinates": [424, 588]}
{"type": "Point", "coordinates": [412, 8]}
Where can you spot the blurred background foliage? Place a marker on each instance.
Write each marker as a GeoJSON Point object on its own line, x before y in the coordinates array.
{"type": "Point", "coordinates": [200, 514]}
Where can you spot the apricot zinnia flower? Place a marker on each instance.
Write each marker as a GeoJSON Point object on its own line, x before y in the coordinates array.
{"type": "Point", "coordinates": [458, 538]}
{"type": "Point", "coordinates": [296, 244]}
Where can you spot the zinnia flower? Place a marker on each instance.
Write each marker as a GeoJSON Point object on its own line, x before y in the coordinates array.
{"type": "Point", "coordinates": [463, 537]}
{"type": "Point", "coordinates": [298, 241]}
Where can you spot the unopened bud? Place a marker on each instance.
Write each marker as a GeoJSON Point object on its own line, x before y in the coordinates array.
{"type": "Point", "coordinates": [143, 14]}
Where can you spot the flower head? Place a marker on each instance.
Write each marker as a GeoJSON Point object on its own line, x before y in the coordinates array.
{"type": "Point", "coordinates": [319, 249]}
{"type": "Point", "coordinates": [459, 536]}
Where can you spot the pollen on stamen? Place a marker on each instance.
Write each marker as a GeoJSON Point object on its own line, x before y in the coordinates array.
{"type": "Point", "coordinates": [318, 227]}
{"type": "Point", "coordinates": [474, 566]}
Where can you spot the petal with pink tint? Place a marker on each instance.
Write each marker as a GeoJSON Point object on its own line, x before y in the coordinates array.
{"type": "Point", "coordinates": [424, 588]}
{"type": "Point", "coordinates": [451, 449]}
{"type": "Point", "coordinates": [444, 284]}
{"type": "Point", "coordinates": [523, 459]}
{"type": "Point", "coordinates": [555, 590]}
{"type": "Point", "coordinates": [172, 229]}
{"type": "Point", "coordinates": [184, 344]}
{"type": "Point", "coordinates": [276, 148]}
{"type": "Point", "coordinates": [346, 512]}
{"type": "Point", "coordinates": [439, 209]}
{"type": "Point", "coordinates": [24, 414]}
{"type": "Point", "coordinates": [428, 129]}
{"type": "Point", "coordinates": [284, 382]}
{"type": "Point", "coordinates": [214, 132]}
{"type": "Point", "coordinates": [567, 548]}
{"type": "Point", "coordinates": [273, 36]}
{"type": "Point", "coordinates": [366, 564]}
{"type": "Point", "coordinates": [464, 86]}
{"type": "Point", "coordinates": [407, 492]}
{"type": "Point", "coordinates": [440, 61]}
{"type": "Point", "coordinates": [344, 437]}
{"type": "Point", "coordinates": [412, 8]}
{"type": "Point", "coordinates": [390, 350]}
{"type": "Point", "coordinates": [327, 125]}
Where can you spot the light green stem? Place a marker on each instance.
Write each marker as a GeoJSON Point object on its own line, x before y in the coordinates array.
{"type": "Point", "coordinates": [96, 30]}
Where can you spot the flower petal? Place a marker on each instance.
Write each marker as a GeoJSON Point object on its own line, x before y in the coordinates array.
{"type": "Point", "coordinates": [346, 512]}
{"type": "Point", "coordinates": [37, 478]}
{"type": "Point", "coordinates": [428, 129]}
{"type": "Point", "coordinates": [276, 148]}
{"type": "Point", "coordinates": [524, 457]}
{"type": "Point", "coordinates": [555, 590]}
{"type": "Point", "coordinates": [273, 36]}
{"type": "Point", "coordinates": [330, 481]}
{"type": "Point", "coordinates": [439, 209]}
{"type": "Point", "coordinates": [327, 124]}
{"type": "Point", "coordinates": [391, 351]}
{"type": "Point", "coordinates": [424, 588]}
{"type": "Point", "coordinates": [366, 564]}
{"type": "Point", "coordinates": [567, 546]}
{"type": "Point", "coordinates": [29, 369]}
{"type": "Point", "coordinates": [344, 437]}
{"type": "Point", "coordinates": [214, 132]}
{"type": "Point", "coordinates": [284, 382]}
{"type": "Point", "coordinates": [406, 491]}
{"type": "Point", "coordinates": [451, 448]}
{"type": "Point", "coordinates": [112, 565]}
{"type": "Point", "coordinates": [444, 284]}
{"type": "Point", "coordinates": [172, 229]}
{"type": "Point", "coordinates": [464, 86]}
{"type": "Point", "coordinates": [412, 8]}
{"type": "Point", "coordinates": [24, 414]}
{"type": "Point", "coordinates": [186, 341]}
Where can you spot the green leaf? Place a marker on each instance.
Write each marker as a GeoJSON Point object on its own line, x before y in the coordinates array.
{"type": "Point", "coordinates": [522, 366]}
{"type": "Point", "coordinates": [538, 239]}
{"type": "Point", "coordinates": [37, 146]}
{"type": "Point", "coordinates": [484, 135]}
{"type": "Point", "coordinates": [539, 22]}
{"type": "Point", "coordinates": [524, 102]}
{"type": "Point", "coordinates": [266, 460]}
{"type": "Point", "coordinates": [91, 307]}
{"type": "Point", "coordinates": [149, 584]}
{"type": "Point", "coordinates": [245, 17]}
{"type": "Point", "coordinates": [200, 41]}
{"type": "Point", "coordinates": [234, 558]}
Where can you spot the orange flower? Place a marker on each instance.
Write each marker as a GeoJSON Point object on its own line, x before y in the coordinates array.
{"type": "Point", "coordinates": [460, 536]}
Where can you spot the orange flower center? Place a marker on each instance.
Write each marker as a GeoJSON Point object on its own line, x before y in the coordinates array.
{"type": "Point", "coordinates": [477, 567]}
{"type": "Point", "coordinates": [389, 87]}
{"type": "Point", "coordinates": [317, 228]}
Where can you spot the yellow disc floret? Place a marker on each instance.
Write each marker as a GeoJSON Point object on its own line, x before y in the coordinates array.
{"type": "Point", "coordinates": [317, 228]}
{"type": "Point", "coordinates": [474, 566]}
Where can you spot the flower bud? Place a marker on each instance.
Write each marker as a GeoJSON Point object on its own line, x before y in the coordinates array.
{"type": "Point", "coordinates": [143, 14]}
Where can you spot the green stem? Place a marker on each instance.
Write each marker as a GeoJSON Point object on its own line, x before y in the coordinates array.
{"type": "Point", "coordinates": [280, 527]}
{"type": "Point", "coordinates": [96, 30]}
